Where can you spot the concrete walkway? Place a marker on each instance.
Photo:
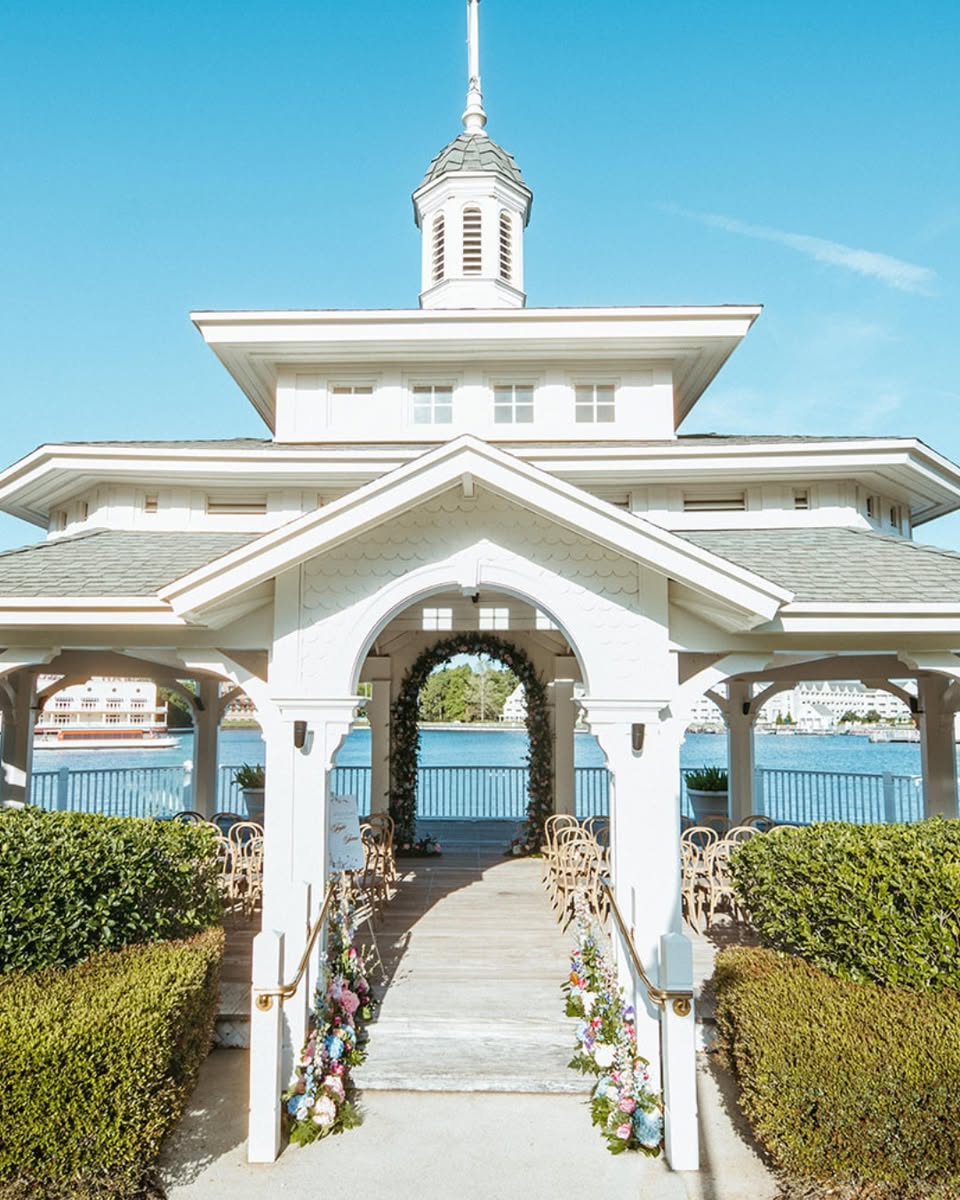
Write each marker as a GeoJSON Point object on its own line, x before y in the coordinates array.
{"type": "Point", "coordinates": [465, 1090]}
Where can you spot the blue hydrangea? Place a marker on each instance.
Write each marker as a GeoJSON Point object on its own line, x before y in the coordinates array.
{"type": "Point", "coordinates": [333, 1046]}
{"type": "Point", "coordinates": [293, 1104]}
{"type": "Point", "coordinates": [648, 1127]}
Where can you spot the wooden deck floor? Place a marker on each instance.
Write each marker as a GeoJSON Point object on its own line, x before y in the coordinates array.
{"type": "Point", "coordinates": [475, 962]}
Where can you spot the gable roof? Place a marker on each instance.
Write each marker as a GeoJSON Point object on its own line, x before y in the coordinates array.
{"type": "Point", "coordinates": [465, 460]}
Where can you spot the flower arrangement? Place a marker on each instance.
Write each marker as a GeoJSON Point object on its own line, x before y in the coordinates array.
{"type": "Point", "coordinates": [627, 1111]}
{"type": "Point", "coordinates": [421, 848]}
{"type": "Point", "coordinates": [405, 732]}
{"type": "Point", "coordinates": [319, 1101]}
{"type": "Point", "coordinates": [522, 843]}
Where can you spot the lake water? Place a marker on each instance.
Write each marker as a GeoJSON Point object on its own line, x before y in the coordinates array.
{"type": "Point", "coordinates": [507, 747]}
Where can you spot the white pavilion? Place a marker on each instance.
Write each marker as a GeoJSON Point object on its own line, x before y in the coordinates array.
{"type": "Point", "coordinates": [422, 467]}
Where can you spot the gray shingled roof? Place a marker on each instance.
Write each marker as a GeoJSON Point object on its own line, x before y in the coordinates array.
{"type": "Point", "coordinates": [115, 562]}
{"type": "Point", "coordinates": [683, 439]}
{"type": "Point", "coordinates": [475, 152]}
{"type": "Point", "coordinates": [840, 565]}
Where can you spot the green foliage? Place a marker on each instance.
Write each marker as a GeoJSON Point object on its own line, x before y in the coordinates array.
{"type": "Point", "coordinates": [250, 775]}
{"type": "Point", "coordinates": [72, 884]}
{"type": "Point", "coordinates": [179, 712]}
{"type": "Point", "coordinates": [464, 694]}
{"type": "Point", "coordinates": [846, 1082]}
{"type": "Point", "coordinates": [97, 1062]}
{"type": "Point", "coordinates": [707, 779]}
{"type": "Point", "coordinates": [865, 902]}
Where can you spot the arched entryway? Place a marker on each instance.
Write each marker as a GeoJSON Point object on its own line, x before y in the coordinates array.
{"type": "Point", "coordinates": [405, 729]}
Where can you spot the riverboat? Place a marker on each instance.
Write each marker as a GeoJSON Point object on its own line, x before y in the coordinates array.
{"type": "Point", "coordinates": [112, 737]}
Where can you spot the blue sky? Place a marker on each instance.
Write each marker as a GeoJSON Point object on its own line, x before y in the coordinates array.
{"type": "Point", "coordinates": [164, 157]}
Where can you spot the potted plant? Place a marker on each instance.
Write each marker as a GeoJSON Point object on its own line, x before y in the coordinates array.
{"type": "Point", "coordinates": [707, 791]}
{"type": "Point", "coordinates": [251, 779]}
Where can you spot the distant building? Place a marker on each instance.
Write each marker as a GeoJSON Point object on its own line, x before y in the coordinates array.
{"type": "Point", "coordinates": [101, 701]}
{"type": "Point", "coordinates": [816, 705]}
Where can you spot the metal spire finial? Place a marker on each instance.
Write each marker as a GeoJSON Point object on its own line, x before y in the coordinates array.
{"type": "Point", "coordinates": [474, 118]}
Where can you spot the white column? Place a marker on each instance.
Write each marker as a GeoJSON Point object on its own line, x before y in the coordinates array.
{"type": "Point", "coordinates": [17, 749]}
{"type": "Point", "coordinates": [206, 729]}
{"type": "Point", "coordinates": [644, 839]}
{"type": "Point", "coordinates": [295, 858]}
{"type": "Point", "coordinates": [739, 717]}
{"type": "Point", "coordinates": [564, 715]}
{"type": "Point", "coordinates": [678, 1040]}
{"type": "Point", "coordinates": [937, 748]}
{"type": "Point", "coordinates": [378, 712]}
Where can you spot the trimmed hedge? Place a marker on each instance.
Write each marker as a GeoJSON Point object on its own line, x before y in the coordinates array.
{"type": "Point", "coordinates": [864, 902]}
{"type": "Point", "coordinates": [74, 884]}
{"type": "Point", "coordinates": [97, 1062]}
{"type": "Point", "coordinates": [845, 1082]}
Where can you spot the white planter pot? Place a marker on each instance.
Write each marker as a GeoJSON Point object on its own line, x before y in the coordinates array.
{"type": "Point", "coordinates": [708, 804]}
{"type": "Point", "coordinates": [253, 802]}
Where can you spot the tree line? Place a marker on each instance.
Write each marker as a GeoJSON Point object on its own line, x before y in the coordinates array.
{"type": "Point", "coordinates": [466, 693]}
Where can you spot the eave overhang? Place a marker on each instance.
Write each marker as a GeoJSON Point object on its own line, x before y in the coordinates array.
{"type": "Point", "coordinates": [748, 598]}
{"type": "Point", "coordinates": [256, 346]}
{"type": "Point", "coordinates": [53, 474]}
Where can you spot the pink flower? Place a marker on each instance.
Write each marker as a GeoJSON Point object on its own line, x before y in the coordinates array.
{"type": "Point", "coordinates": [627, 1104]}
{"type": "Point", "coordinates": [349, 1002]}
{"type": "Point", "coordinates": [325, 1111]}
{"type": "Point", "coordinates": [334, 1085]}
{"type": "Point", "coordinates": [624, 1130]}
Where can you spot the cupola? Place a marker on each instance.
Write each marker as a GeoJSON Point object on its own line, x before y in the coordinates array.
{"type": "Point", "coordinates": [472, 209]}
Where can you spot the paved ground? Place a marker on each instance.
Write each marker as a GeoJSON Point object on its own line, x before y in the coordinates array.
{"type": "Point", "coordinates": [485, 1108]}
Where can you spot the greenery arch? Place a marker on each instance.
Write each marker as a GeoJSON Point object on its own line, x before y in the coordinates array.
{"type": "Point", "coordinates": [405, 731]}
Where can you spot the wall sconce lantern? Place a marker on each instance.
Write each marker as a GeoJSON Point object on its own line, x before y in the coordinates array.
{"type": "Point", "coordinates": [299, 734]}
{"type": "Point", "coordinates": [636, 737]}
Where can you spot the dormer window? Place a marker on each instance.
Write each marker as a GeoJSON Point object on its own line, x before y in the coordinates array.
{"type": "Point", "coordinates": [595, 404]}
{"type": "Point", "coordinates": [801, 499]}
{"type": "Point", "coordinates": [472, 242]}
{"type": "Point", "coordinates": [433, 404]}
{"type": "Point", "coordinates": [513, 404]}
{"type": "Point", "coordinates": [151, 504]}
{"type": "Point", "coordinates": [439, 247]}
{"type": "Point", "coordinates": [506, 247]}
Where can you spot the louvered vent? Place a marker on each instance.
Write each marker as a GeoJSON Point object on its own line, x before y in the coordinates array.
{"type": "Point", "coordinates": [439, 248]}
{"type": "Point", "coordinates": [472, 256]}
{"type": "Point", "coordinates": [506, 247]}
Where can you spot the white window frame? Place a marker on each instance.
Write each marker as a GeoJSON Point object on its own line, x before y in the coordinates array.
{"type": "Point", "coordinates": [426, 408]}
{"type": "Point", "coordinates": [437, 619]}
{"type": "Point", "coordinates": [587, 410]}
{"type": "Point", "coordinates": [506, 408]}
{"type": "Point", "coordinates": [493, 617]}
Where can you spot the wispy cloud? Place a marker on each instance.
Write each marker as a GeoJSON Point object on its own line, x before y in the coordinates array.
{"type": "Point", "coordinates": [894, 272]}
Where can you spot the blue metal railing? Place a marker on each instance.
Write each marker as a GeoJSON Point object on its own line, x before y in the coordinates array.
{"type": "Point", "coordinates": [797, 797]}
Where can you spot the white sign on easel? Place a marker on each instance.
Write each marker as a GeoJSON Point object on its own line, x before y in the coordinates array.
{"type": "Point", "coordinates": [344, 847]}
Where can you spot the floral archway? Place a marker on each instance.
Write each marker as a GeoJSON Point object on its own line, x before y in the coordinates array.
{"type": "Point", "coordinates": [405, 731]}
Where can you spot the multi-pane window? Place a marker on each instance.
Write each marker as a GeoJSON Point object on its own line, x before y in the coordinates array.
{"type": "Point", "coordinates": [472, 257]}
{"type": "Point", "coordinates": [513, 404]}
{"type": "Point", "coordinates": [437, 618]}
{"type": "Point", "coordinates": [506, 247]}
{"type": "Point", "coordinates": [439, 247]}
{"type": "Point", "coordinates": [595, 404]}
{"type": "Point", "coordinates": [352, 389]}
{"type": "Point", "coordinates": [543, 621]}
{"type": "Point", "coordinates": [433, 404]}
{"type": "Point", "coordinates": [494, 618]}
